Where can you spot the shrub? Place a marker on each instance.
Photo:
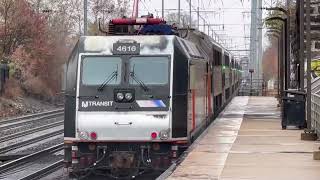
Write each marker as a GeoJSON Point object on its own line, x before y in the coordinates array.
{"type": "Point", "coordinates": [36, 86]}
{"type": "Point", "coordinates": [13, 89]}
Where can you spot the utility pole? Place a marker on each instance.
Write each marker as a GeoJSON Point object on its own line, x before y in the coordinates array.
{"type": "Point", "coordinates": [259, 28]}
{"type": "Point", "coordinates": [253, 35]}
{"type": "Point", "coordinates": [179, 13]}
{"type": "Point", "coordinates": [190, 18]}
{"type": "Point", "coordinates": [308, 49]}
{"type": "Point", "coordinates": [85, 19]}
{"type": "Point", "coordinates": [301, 44]}
{"type": "Point", "coordinates": [163, 9]}
{"type": "Point", "coordinates": [198, 16]}
{"type": "Point", "coordinates": [135, 11]}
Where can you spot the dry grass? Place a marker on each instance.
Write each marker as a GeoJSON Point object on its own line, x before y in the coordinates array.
{"type": "Point", "coordinates": [13, 89]}
{"type": "Point", "coordinates": [37, 87]}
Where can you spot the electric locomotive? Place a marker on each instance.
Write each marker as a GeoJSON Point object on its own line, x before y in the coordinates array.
{"type": "Point", "coordinates": [136, 98]}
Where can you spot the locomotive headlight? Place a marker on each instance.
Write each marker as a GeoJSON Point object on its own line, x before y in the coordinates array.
{"type": "Point", "coordinates": [128, 96]}
{"type": "Point", "coordinates": [164, 134]}
{"type": "Point", "coordinates": [120, 96]}
{"type": "Point", "coordinates": [83, 135]}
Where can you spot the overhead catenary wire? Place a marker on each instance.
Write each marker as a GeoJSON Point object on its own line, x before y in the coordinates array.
{"type": "Point", "coordinates": [192, 7]}
{"type": "Point", "coordinates": [145, 6]}
{"type": "Point", "coordinates": [206, 14]}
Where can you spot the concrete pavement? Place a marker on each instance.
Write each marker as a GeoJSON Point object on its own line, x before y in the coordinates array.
{"type": "Point", "coordinates": [246, 142]}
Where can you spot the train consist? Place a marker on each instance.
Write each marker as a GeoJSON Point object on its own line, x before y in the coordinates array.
{"type": "Point", "coordinates": [138, 97]}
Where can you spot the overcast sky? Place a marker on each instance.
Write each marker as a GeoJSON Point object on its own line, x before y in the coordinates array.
{"type": "Point", "coordinates": [234, 14]}
{"type": "Point", "coordinates": [231, 18]}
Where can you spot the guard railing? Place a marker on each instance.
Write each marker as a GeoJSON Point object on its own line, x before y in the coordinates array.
{"type": "Point", "coordinates": [315, 113]}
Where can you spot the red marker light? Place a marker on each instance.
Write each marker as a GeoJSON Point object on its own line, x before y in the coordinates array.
{"type": "Point", "coordinates": [154, 135]}
{"type": "Point", "coordinates": [93, 135]}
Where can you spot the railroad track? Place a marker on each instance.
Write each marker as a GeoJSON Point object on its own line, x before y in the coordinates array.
{"type": "Point", "coordinates": [28, 119]}
{"type": "Point", "coordinates": [17, 167]}
{"type": "Point", "coordinates": [25, 125]}
{"type": "Point", "coordinates": [30, 131]}
{"type": "Point", "coordinates": [44, 171]}
{"type": "Point", "coordinates": [30, 116]}
{"type": "Point", "coordinates": [30, 141]}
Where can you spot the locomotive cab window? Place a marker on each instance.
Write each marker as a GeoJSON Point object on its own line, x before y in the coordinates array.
{"type": "Point", "coordinates": [227, 60]}
{"type": "Point", "coordinates": [149, 70]}
{"type": "Point", "coordinates": [217, 58]}
{"type": "Point", "coordinates": [95, 70]}
{"type": "Point", "coordinates": [192, 76]}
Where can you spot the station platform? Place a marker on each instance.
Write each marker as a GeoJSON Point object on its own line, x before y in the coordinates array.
{"type": "Point", "coordinates": [246, 142]}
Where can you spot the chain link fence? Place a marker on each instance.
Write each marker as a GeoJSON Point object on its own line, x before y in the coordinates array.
{"type": "Point", "coordinates": [315, 113]}
{"type": "Point", "coordinates": [258, 87]}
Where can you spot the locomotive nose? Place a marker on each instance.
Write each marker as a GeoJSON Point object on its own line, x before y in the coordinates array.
{"type": "Point", "coordinates": [132, 125]}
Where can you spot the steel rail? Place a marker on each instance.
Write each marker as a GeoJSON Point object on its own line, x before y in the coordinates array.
{"type": "Point", "coordinates": [30, 131]}
{"type": "Point", "coordinates": [30, 141]}
{"type": "Point", "coordinates": [29, 158]}
{"type": "Point", "coordinates": [35, 120]}
{"type": "Point", "coordinates": [17, 119]}
{"type": "Point", "coordinates": [44, 171]}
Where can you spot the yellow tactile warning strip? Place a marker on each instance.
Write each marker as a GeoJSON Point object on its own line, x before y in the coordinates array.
{"type": "Point", "coordinates": [207, 159]}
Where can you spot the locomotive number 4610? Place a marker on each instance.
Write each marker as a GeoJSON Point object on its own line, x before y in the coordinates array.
{"type": "Point", "coordinates": [126, 48]}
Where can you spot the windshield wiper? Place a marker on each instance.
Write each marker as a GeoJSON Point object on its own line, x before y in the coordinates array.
{"type": "Point", "coordinates": [141, 83]}
{"type": "Point", "coordinates": [113, 75]}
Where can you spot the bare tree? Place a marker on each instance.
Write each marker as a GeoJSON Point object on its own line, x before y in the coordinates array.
{"type": "Point", "coordinates": [36, 37]}
{"type": "Point", "coordinates": [184, 19]}
{"type": "Point", "coordinates": [6, 10]}
{"type": "Point", "coordinates": [107, 9]}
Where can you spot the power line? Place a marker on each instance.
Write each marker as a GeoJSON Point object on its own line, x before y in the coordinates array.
{"type": "Point", "coordinates": [145, 7]}
{"type": "Point", "coordinates": [206, 9]}
{"type": "Point", "coordinates": [199, 15]}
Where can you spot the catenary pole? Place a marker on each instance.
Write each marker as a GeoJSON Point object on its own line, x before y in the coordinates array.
{"type": "Point", "coordinates": [190, 15]}
{"type": "Point", "coordinates": [163, 9]}
{"type": "Point", "coordinates": [308, 49]}
{"type": "Point", "coordinates": [85, 19]}
{"type": "Point", "coordinates": [179, 11]}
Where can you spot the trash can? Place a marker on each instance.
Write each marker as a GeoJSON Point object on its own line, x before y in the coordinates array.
{"type": "Point", "coordinates": [293, 109]}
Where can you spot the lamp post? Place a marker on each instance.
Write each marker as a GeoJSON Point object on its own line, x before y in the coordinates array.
{"type": "Point", "coordinates": [284, 60]}
{"type": "Point", "coordinates": [286, 22]}
{"type": "Point", "coordinates": [277, 35]}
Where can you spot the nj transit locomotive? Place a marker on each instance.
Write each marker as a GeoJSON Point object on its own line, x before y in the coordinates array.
{"type": "Point", "coordinates": [134, 102]}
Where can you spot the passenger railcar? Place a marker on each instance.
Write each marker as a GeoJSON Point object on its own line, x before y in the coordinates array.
{"type": "Point", "coordinates": [134, 102]}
